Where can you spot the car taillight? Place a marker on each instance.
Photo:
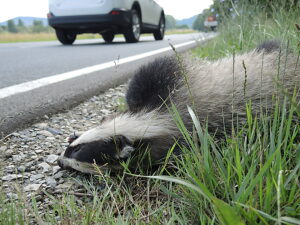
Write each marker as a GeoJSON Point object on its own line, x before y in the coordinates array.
{"type": "Point", "coordinates": [49, 15]}
{"type": "Point", "coordinates": [114, 12]}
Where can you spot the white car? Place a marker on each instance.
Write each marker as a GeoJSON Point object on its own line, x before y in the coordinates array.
{"type": "Point", "coordinates": [107, 17]}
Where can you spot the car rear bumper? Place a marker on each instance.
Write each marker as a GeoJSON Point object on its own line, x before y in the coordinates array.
{"type": "Point", "coordinates": [92, 23]}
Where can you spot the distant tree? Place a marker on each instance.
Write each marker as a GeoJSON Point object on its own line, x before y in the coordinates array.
{"type": "Point", "coordinates": [183, 26]}
{"type": "Point", "coordinates": [21, 26]}
{"type": "Point", "coordinates": [11, 26]}
{"type": "Point", "coordinates": [199, 22]}
{"type": "Point", "coordinates": [2, 29]}
{"type": "Point", "coordinates": [38, 26]}
{"type": "Point", "coordinates": [170, 22]}
{"type": "Point", "coordinates": [20, 23]}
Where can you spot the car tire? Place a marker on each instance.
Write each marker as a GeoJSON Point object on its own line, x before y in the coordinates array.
{"type": "Point", "coordinates": [64, 37]}
{"type": "Point", "coordinates": [108, 37]}
{"type": "Point", "coordinates": [160, 32]}
{"type": "Point", "coordinates": [133, 32]}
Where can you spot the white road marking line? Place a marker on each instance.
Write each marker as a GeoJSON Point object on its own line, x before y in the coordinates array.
{"type": "Point", "coordinates": [31, 85]}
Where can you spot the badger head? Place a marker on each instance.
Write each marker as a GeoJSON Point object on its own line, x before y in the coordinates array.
{"type": "Point", "coordinates": [117, 140]}
{"type": "Point", "coordinates": [83, 156]}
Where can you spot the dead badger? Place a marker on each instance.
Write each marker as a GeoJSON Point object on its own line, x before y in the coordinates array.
{"type": "Point", "coordinates": [217, 90]}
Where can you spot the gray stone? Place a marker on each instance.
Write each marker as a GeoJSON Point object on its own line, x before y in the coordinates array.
{"type": "Point", "coordinates": [41, 126]}
{"type": "Point", "coordinates": [36, 177]}
{"type": "Point", "coordinates": [50, 138]}
{"type": "Point", "coordinates": [61, 181]}
{"type": "Point", "coordinates": [26, 175]}
{"type": "Point", "coordinates": [56, 169]}
{"type": "Point", "coordinates": [51, 158]}
{"type": "Point", "coordinates": [2, 149]}
{"type": "Point", "coordinates": [33, 157]}
{"type": "Point", "coordinates": [51, 182]}
{"type": "Point", "coordinates": [30, 164]}
{"type": "Point", "coordinates": [45, 133]}
{"type": "Point", "coordinates": [10, 169]}
{"type": "Point", "coordinates": [39, 151]}
{"type": "Point", "coordinates": [12, 196]}
{"type": "Point", "coordinates": [105, 111]}
{"type": "Point", "coordinates": [32, 168]}
{"type": "Point", "coordinates": [24, 137]}
{"type": "Point", "coordinates": [21, 169]}
{"type": "Point", "coordinates": [32, 187]}
{"type": "Point", "coordinates": [46, 167]}
{"type": "Point", "coordinates": [18, 158]}
{"type": "Point", "coordinates": [15, 134]}
{"type": "Point", "coordinates": [54, 131]}
{"type": "Point", "coordinates": [65, 185]}
{"type": "Point", "coordinates": [11, 177]}
{"type": "Point", "coordinates": [58, 175]}
{"type": "Point", "coordinates": [8, 153]}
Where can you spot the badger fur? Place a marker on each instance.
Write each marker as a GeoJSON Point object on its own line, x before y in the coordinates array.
{"type": "Point", "coordinates": [217, 90]}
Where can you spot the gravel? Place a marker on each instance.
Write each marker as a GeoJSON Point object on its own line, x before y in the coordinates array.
{"type": "Point", "coordinates": [28, 162]}
{"type": "Point", "coordinates": [51, 158]}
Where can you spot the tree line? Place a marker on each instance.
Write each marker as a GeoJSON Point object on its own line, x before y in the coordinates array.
{"type": "Point", "coordinates": [223, 9]}
{"type": "Point", "coordinates": [172, 24]}
{"type": "Point", "coordinates": [19, 27]}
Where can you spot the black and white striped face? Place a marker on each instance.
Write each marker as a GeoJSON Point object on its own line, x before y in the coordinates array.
{"type": "Point", "coordinates": [83, 156]}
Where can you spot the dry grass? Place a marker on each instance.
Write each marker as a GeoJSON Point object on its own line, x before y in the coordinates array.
{"type": "Point", "coordinates": [32, 37]}
{"type": "Point", "coordinates": [26, 37]}
{"type": "Point", "coordinates": [181, 31]}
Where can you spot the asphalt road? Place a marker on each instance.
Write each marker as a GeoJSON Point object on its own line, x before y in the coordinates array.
{"type": "Point", "coordinates": [41, 78]}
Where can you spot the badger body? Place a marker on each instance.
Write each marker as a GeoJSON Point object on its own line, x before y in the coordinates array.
{"type": "Point", "coordinates": [216, 90]}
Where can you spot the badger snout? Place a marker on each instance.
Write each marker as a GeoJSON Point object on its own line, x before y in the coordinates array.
{"type": "Point", "coordinates": [63, 162]}
{"type": "Point", "coordinates": [60, 162]}
{"type": "Point", "coordinates": [82, 158]}
{"type": "Point", "coordinates": [73, 164]}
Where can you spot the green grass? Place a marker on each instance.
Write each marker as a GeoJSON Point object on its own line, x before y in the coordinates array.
{"type": "Point", "coordinates": [244, 32]}
{"type": "Point", "coordinates": [250, 177]}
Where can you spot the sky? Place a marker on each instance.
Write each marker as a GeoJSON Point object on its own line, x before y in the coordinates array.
{"type": "Point", "coordinates": [180, 9]}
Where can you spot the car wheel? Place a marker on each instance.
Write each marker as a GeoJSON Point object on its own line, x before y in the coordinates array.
{"type": "Point", "coordinates": [133, 32]}
{"type": "Point", "coordinates": [65, 37]}
{"type": "Point", "coordinates": [160, 32]}
{"type": "Point", "coordinates": [108, 37]}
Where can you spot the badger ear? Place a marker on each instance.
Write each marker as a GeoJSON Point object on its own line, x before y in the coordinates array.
{"type": "Point", "coordinates": [74, 136]}
{"type": "Point", "coordinates": [124, 147]}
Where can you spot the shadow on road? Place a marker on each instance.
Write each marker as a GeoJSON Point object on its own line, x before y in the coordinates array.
{"type": "Point", "coordinates": [102, 44]}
